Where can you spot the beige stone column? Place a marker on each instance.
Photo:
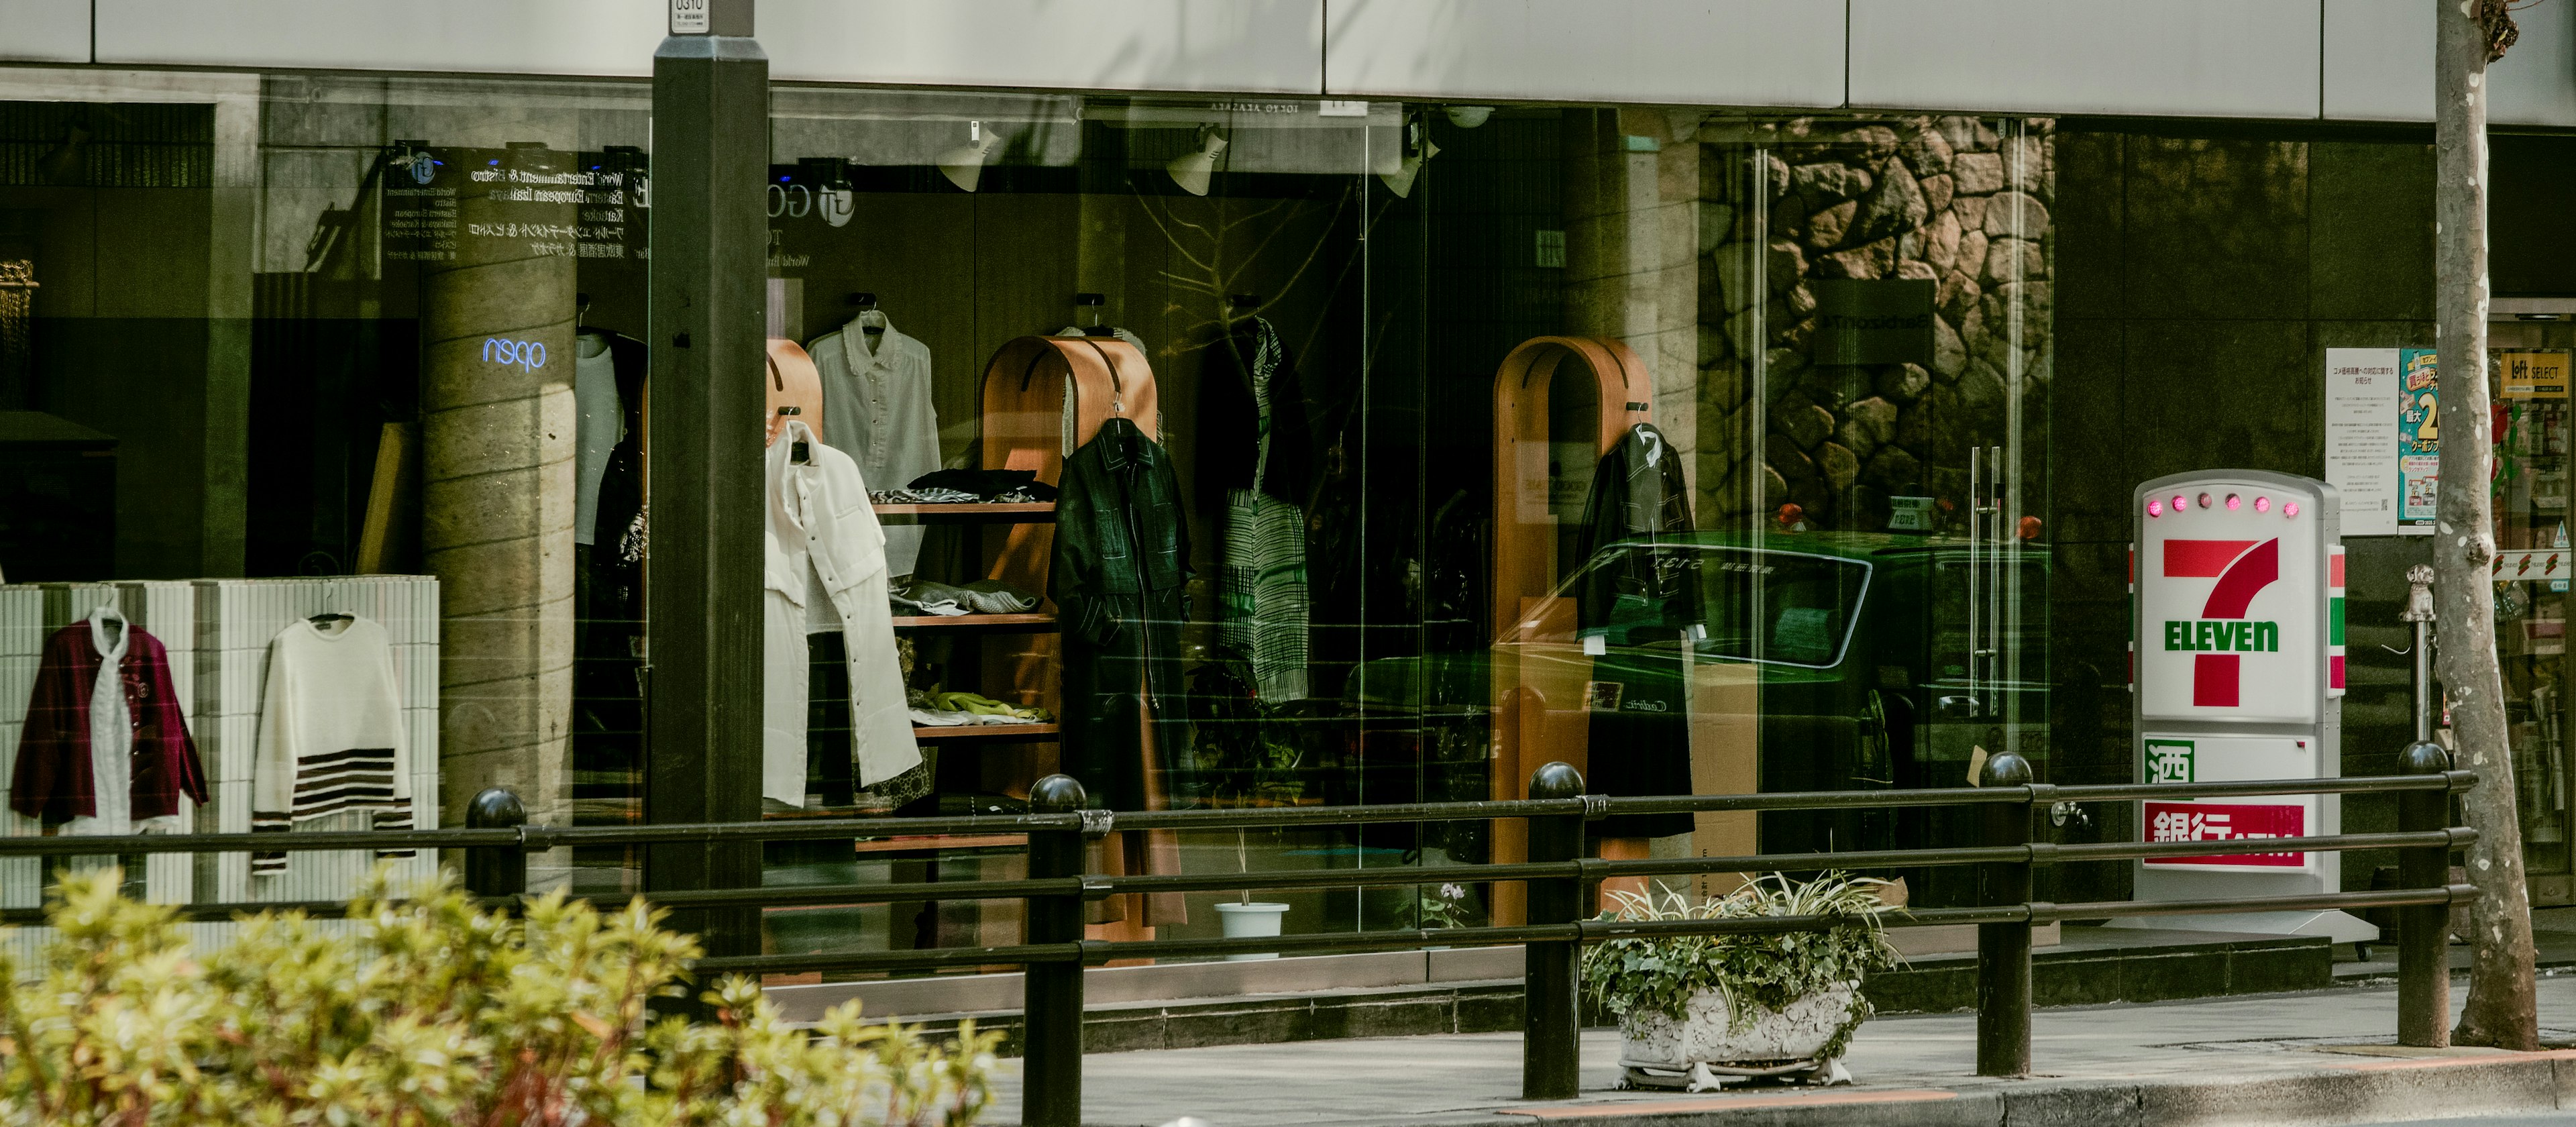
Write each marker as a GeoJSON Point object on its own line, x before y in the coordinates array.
{"type": "Point", "coordinates": [497, 423]}
{"type": "Point", "coordinates": [1632, 252]}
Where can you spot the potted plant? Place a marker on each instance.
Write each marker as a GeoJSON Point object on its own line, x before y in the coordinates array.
{"type": "Point", "coordinates": [1247, 917]}
{"type": "Point", "coordinates": [1697, 1011]}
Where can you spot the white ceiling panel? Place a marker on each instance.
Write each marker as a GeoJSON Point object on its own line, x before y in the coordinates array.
{"type": "Point", "coordinates": [1686, 52]}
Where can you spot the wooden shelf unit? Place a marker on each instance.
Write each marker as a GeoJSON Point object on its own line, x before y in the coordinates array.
{"type": "Point", "coordinates": [989, 733]}
{"type": "Point", "coordinates": [1034, 622]}
{"type": "Point", "coordinates": [970, 512]}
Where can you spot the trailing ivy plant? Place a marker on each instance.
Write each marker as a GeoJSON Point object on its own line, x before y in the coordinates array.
{"type": "Point", "coordinates": [1755, 972]}
{"type": "Point", "coordinates": [429, 1010]}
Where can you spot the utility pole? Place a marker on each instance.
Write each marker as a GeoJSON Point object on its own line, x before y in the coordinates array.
{"type": "Point", "coordinates": [2501, 1010]}
{"type": "Point", "coordinates": [705, 488]}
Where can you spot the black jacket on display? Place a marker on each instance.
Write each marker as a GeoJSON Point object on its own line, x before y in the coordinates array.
{"type": "Point", "coordinates": [1644, 598]}
{"type": "Point", "coordinates": [1120, 580]}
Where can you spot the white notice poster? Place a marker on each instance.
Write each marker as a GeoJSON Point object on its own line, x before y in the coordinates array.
{"type": "Point", "coordinates": [2362, 396]}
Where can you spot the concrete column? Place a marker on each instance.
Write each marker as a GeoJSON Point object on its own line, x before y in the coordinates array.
{"type": "Point", "coordinates": [1632, 246]}
{"type": "Point", "coordinates": [497, 484]}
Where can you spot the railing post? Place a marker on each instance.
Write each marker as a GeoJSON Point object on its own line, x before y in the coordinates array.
{"type": "Point", "coordinates": [2423, 950]}
{"type": "Point", "coordinates": [2003, 949]}
{"type": "Point", "coordinates": [1051, 999]}
{"type": "Point", "coordinates": [1551, 1030]}
{"type": "Point", "coordinates": [496, 870]}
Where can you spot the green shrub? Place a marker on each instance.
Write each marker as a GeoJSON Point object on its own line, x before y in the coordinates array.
{"type": "Point", "coordinates": [425, 1011]}
{"type": "Point", "coordinates": [1753, 971]}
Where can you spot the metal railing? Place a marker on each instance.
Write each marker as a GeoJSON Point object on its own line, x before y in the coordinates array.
{"type": "Point", "coordinates": [1558, 876]}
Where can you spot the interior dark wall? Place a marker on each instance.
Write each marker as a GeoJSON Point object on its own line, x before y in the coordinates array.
{"type": "Point", "coordinates": [116, 204]}
{"type": "Point", "coordinates": [2202, 275]}
{"type": "Point", "coordinates": [2531, 216]}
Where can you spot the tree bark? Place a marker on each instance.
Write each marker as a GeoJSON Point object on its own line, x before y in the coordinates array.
{"type": "Point", "coordinates": [2500, 1010]}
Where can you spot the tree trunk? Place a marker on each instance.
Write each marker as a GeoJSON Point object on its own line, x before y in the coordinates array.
{"type": "Point", "coordinates": [2500, 1010]}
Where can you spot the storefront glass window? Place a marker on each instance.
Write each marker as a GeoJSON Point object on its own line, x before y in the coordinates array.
{"type": "Point", "coordinates": [2531, 620]}
{"type": "Point", "coordinates": [1219, 452]}
{"type": "Point", "coordinates": [1689, 449]}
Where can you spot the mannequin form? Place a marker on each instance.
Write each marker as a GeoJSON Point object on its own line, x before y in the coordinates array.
{"type": "Point", "coordinates": [1540, 708]}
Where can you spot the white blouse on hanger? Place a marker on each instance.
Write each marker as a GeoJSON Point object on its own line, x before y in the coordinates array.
{"type": "Point", "coordinates": [823, 541]}
{"type": "Point", "coordinates": [877, 409]}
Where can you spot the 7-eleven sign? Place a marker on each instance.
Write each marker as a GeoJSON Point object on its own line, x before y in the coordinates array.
{"type": "Point", "coordinates": [2231, 587]}
{"type": "Point", "coordinates": [2236, 582]}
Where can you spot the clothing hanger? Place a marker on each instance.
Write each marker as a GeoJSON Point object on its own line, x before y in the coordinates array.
{"type": "Point", "coordinates": [1087, 310]}
{"type": "Point", "coordinates": [328, 617]}
{"type": "Point", "coordinates": [1117, 386]}
{"type": "Point", "coordinates": [866, 303]}
{"type": "Point", "coordinates": [581, 326]}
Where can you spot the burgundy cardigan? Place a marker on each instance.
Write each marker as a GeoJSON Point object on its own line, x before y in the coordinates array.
{"type": "Point", "coordinates": [52, 782]}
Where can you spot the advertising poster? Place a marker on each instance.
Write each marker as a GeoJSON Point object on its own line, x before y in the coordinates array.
{"type": "Point", "coordinates": [2362, 389]}
{"type": "Point", "coordinates": [2419, 445]}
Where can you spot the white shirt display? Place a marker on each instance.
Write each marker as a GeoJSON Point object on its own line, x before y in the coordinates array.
{"type": "Point", "coordinates": [330, 732]}
{"type": "Point", "coordinates": [877, 409]}
{"type": "Point", "coordinates": [601, 422]}
{"type": "Point", "coordinates": [111, 737]}
{"type": "Point", "coordinates": [822, 541]}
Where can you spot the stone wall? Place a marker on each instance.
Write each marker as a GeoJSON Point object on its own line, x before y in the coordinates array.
{"type": "Point", "coordinates": [1943, 199]}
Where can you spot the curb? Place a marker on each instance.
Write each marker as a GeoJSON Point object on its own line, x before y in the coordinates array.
{"type": "Point", "coordinates": [2335, 1095]}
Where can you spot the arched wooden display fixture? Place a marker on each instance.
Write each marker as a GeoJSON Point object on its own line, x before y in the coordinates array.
{"type": "Point", "coordinates": [1539, 669]}
{"type": "Point", "coordinates": [1024, 419]}
{"type": "Point", "coordinates": [1024, 392]}
{"type": "Point", "coordinates": [795, 389]}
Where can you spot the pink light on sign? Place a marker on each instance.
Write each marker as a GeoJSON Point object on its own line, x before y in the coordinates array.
{"type": "Point", "coordinates": [2180, 504]}
{"type": "Point", "coordinates": [2290, 509]}
{"type": "Point", "coordinates": [2155, 508]}
{"type": "Point", "coordinates": [2262, 504]}
{"type": "Point", "coordinates": [2234, 502]}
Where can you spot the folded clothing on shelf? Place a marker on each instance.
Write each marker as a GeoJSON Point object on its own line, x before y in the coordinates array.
{"type": "Point", "coordinates": [935, 709]}
{"type": "Point", "coordinates": [941, 718]}
{"type": "Point", "coordinates": [987, 485]}
{"type": "Point", "coordinates": [905, 604]}
{"type": "Point", "coordinates": [984, 596]}
{"type": "Point", "coordinates": [922, 497]}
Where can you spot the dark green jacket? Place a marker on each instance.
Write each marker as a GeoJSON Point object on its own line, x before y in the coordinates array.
{"type": "Point", "coordinates": [1120, 581]}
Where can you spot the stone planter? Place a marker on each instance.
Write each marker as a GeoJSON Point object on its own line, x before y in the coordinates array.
{"type": "Point", "coordinates": [1699, 1052]}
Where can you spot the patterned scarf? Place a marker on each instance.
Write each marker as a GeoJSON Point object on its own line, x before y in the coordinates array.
{"type": "Point", "coordinates": [1262, 587]}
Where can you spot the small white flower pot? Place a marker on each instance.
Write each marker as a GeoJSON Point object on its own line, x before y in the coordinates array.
{"type": "Point", "coordinates": [1247, 920]}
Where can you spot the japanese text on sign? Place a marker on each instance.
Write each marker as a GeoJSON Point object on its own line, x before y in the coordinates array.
{"type": "Point", "coordinates": [2225, 822]}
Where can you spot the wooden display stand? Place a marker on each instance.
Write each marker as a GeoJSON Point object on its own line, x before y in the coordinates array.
{"type": "Point", "coordinates": [1024, 411]}
{"type": "Point", "coordinates": [1540, 672]}
{"type": "Point", "coordinates": [795, 390]}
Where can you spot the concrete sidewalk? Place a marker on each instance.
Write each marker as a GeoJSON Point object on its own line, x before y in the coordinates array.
{"type": "Point", "coordinates": [2319, 1058]}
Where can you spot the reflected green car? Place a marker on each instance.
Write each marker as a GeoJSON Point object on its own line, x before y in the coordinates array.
{"type": "Point", "coordinates": [1879, 661]}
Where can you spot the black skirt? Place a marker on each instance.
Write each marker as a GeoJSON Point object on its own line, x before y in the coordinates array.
{"type": "Point", "coordinates": [1639, 739]}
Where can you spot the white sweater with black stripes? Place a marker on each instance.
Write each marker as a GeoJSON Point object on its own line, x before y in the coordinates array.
{"type": "Point", "coordinates": [330, 733]}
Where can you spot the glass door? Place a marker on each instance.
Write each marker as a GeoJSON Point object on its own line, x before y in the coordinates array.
{"type": "Point", "coordinates": [2531, 510]}
{"type": "Point", "coordinates": [1884, 293]}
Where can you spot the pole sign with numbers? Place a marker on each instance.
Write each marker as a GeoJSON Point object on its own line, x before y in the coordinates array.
{"type": "Point", "coordinates": [2236, 581]}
